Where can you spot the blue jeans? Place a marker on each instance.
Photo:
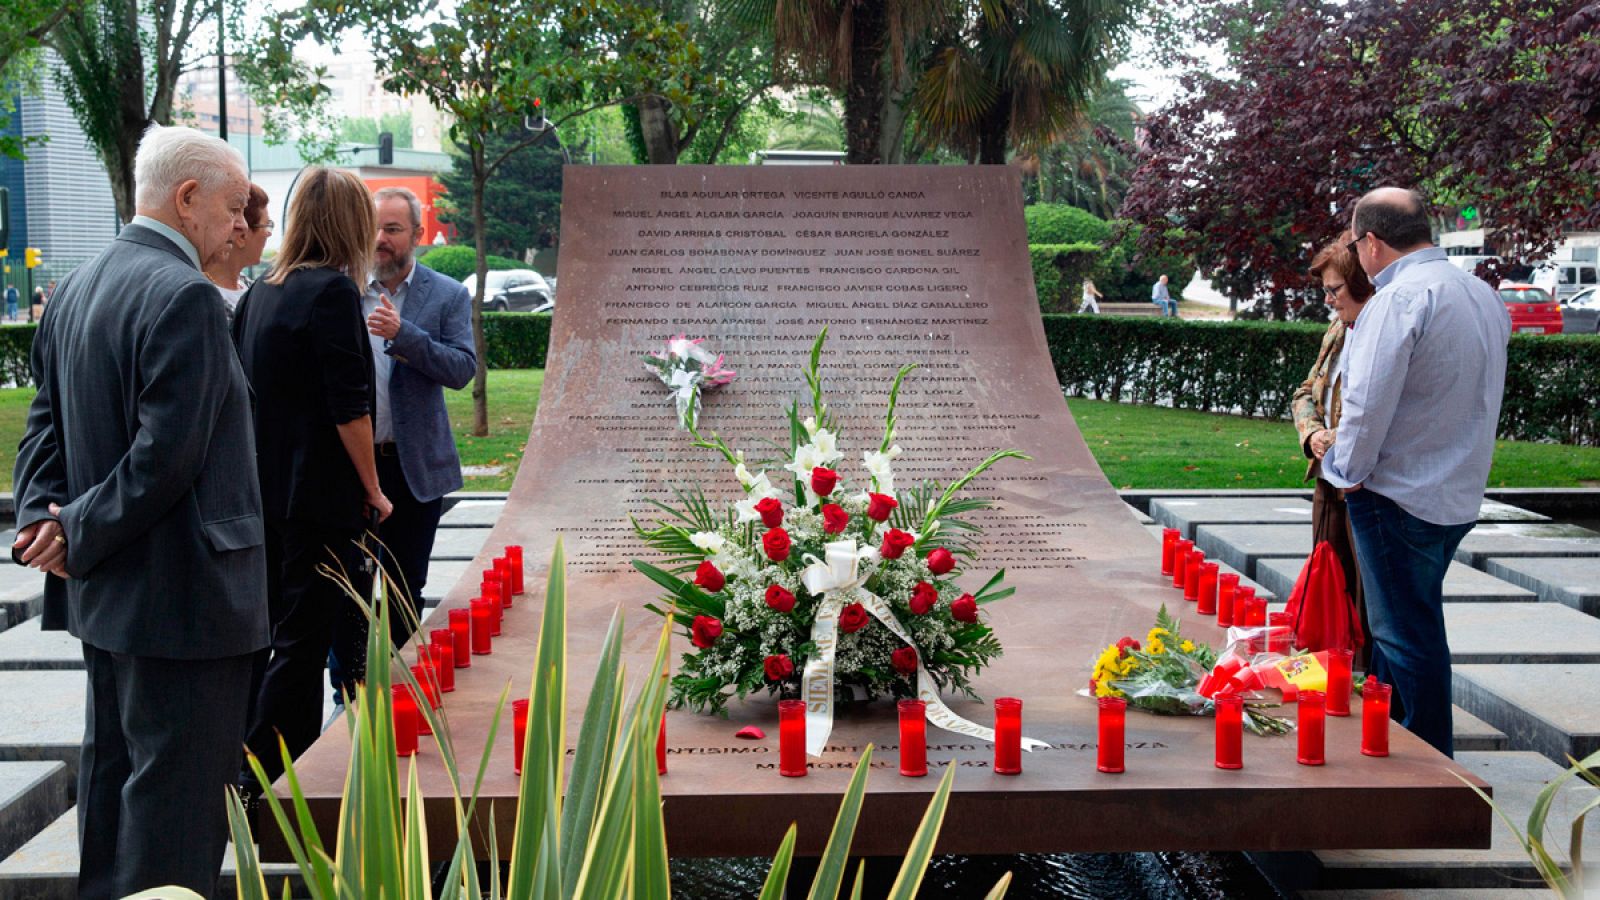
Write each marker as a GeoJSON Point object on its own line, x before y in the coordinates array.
{"type": "Point", "coordinates": [1403, 561]}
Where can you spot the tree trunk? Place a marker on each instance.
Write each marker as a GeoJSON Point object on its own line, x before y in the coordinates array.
{"type": "Point", "coordinates": [660, 134]}
{"type": "Point", "coordinates": [480, 380]}
{"type": "Point", "coordinates": [892, 144]}
{"type": "Point", "coordinates": [993, 129]}
{"type": "Point", "coordinates": [863, 98]}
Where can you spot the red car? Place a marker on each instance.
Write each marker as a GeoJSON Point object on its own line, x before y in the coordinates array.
{"type": "Point", "coordinates": [1532, 309]}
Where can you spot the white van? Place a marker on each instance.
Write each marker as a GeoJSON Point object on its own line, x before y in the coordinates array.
{"type": "Point", "coordinates": [1565, 277]}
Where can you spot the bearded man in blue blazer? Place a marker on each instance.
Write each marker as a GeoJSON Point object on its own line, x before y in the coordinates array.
{"type": "Point", "coordinates": [421, 327]}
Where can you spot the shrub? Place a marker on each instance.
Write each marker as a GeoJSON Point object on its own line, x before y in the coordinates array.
{"type": "Point", "coordinates": [1059, 271]}
{"type": "Point", "coordinates": [16, 344]}
{"type": "Point", "coordinates": [1057, 223]}
{"type": "Point", "coordinates": [461, 262]}
{"type": "Point", "coordinates": [515, 340]}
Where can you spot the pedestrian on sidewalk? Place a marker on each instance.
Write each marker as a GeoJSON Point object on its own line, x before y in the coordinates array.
{"type": "Point", "coordinates": [12, 300]}
{"type": "Point", "coordinates": [1090, 295]}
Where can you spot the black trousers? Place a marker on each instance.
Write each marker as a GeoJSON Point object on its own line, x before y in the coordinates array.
{"type": "Point", "coordinates": [160, 748]}
{"type": "Point", "coordinates": [406, 539]}
{"type": "Point", "coordinates": [306, 606]}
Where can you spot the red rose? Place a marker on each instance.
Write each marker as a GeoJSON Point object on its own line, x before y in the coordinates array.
{"type": "Point", "coordinates": [940, 562]}
{"type": "Point", "coordinates": [778, 667]}
{"type": "Point", "coordinates": [879, 506]}
{"type": "Point", "coordinates": [776, 543]}
{"type": "Point", "coordinates": [905, 661]}
{"type": "Point", "coordinates": [965, 608]}
{"type": "Point", "coordinates": [895, 543]}
{"type": "Point", "coordinates": [1126, 644]}
{"type": "Point", "coordinates": [834, 518]}
{"type": "Point", "coordinates": [852, 618]}
{"type": "Point", "coordinates": [709, 578]}
{"type": "Point", "coordinates": [705, 631]}
{"type": "Point", "coordinates": [779, 599]}
{"type": "Point", "coordinates": [771, 512]}
{"type": "Point", "coordinates": [823, 481]}
{"type": "Point", "coordinates": [923, 597]}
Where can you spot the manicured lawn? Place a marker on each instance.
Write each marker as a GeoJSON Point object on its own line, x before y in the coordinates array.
{"type": "Point", "coordinates": [1151, 447]}
{"type": "Point", "coordinates": [1137, 446]}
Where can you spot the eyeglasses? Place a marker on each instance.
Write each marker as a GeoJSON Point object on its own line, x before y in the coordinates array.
{"type": "Point", "coordinates": [1332, 290]}
{"type": "Point", "coordinates": [1355, 245]}
{"type": "Point", "coordinates": [266, 226]}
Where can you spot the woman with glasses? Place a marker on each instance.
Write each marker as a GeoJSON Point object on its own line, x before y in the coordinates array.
{"type": "Point", "coordinates": [225, 269]}
{"type": "Point", "coordinates": [1316, 409]}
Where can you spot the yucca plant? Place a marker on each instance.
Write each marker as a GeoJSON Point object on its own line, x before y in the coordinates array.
{"type": "Point", "coordinates": [600, 836]}
{"type": "Point", "coordinates": [1567, 884]}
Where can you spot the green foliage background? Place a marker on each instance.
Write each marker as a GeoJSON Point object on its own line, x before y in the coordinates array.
{"type": "Point", "coordinates": [460, 262]}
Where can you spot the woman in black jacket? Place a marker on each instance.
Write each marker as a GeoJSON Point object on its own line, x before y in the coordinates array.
{"type": "Point", "coordinates": [304, 347]}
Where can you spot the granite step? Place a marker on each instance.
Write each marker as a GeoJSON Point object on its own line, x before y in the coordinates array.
{"type": "Point", "coordinates": [46, 868]}
{"type": "Point", "coordinates": [42, 716]}
{"type": "Point", "coordinates": [1497, 511]}
{"type": "Point", "coordinates": [473, 514]}
{"type": "Point", "coordinates": [27, 647]}
{"type": "Point", "coordinates": [1187, 513]}
{"type": "Point", "coordinates": [1517, 777]}
{"type": "Point", "coordinates": [1550, 709]}
{"type": "Point", "coordinates": [1244, 546]}
{"type": "Point", "coordinates": [1462, 583]}
{"type": "Point", "coordinates": [1541, 633]}
{"type": "Point", "coordinates": [460, 544]}
{"type": "Point", "coordinates": [32, 795]}
{"type": "Point", "coordinates": [21, 593]}
{"type": "Point", "coordinates": [1141, 517]}
{"type": "Point", "coordinates": [1473, 733]}
{"type": "Point", "coordinates": [1572, 581]}
{"type": "Point", "coordinates": [1536, 540]}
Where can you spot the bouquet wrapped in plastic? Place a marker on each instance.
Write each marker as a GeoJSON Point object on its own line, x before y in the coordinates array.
{"type": "Point", "coordinates": [686, 369]}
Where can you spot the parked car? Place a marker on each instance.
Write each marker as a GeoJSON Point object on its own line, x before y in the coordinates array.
{"type": "Point", "coordinates": [1564, 277]}
{"type": "Point", "coordinates": [1580, 313]}
{"type": "Point", "coordinates": [1532, 309]}
{"type": "Point", "coordinates": [513, 290]}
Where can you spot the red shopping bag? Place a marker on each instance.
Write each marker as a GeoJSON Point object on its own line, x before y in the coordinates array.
{"type": "Point", "coordinates": [1324, 616]}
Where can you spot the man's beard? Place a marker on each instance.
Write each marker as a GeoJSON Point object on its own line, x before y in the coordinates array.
{"type": "Point", "coordinates": [396, 265]}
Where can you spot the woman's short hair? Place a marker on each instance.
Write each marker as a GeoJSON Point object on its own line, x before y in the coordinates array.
{"type": "Point", "coordinates": [255, 209]}
{"type": "Point", "coordinates": [331, 224]}
{"type": "Point", "coordinates": [170, 155]}
{"type": "Point", "coordinates": [1337, 256]}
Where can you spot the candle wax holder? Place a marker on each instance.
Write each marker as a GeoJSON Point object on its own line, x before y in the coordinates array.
{"type": "Point", "coordinates": [519, 733]}
{"type": "Point", "coordinates": [514, 554]}
{"type": "Point", "coordinates": [661, 744]}
{"type": "Point", "coordinates": [792, 738]}
{"type": "Point", "coordinates": [1206, 602]}
{"type": "Point", "coordinates": [482, 626]}
{"type": "Point", "coordinates": [502, 570]}
{"type": "Point", "coordinates": [1339, 665]}
{"type": "Point", "coordinates": [1169, 547]}
{"type": "Point", "coordinates": [1375, 718]}
{"type": "Point", "coordinates": [461, 636]}
{"type": "Point", "coordinates": [1112, 734]}
{"type": "Point", "coordinates": [1230, 731]}
{"type": "Point", "coordinates": [1191, 576]}
{"type": "Point", "coordinates": [1280, 626]}
{"type": "Point", "coordinates": [913, 738]}
{"type": "Point", "coordinates": [443, 652]}
{"type": "Point", "coordinates": [1311, 727]}
{"type": "Point", "coordinates": [1007, 736]}
{"type": "Point", "coordinates": [405, 721]}
{"type": "Point", "coordinates": [1180, 562]}
{"type": "Point", "coordinates": [1227, 585]}
{"type": "Point", "coordinates": [421, 675]}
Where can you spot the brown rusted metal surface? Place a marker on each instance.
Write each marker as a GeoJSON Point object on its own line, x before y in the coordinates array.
{"type": "Point", "coordinates": [651, 251]}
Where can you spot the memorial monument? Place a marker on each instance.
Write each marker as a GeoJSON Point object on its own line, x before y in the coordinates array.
{"type": "Point", "coordinates": [925, 265]}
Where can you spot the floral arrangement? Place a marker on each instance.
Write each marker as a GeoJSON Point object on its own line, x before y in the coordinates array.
{"type": "Point", "coordinates": [1163, 676]}
{"type": "Point", "coordinates": [687, 368]}
{"type": "Point", "coordinates": [830, 585]}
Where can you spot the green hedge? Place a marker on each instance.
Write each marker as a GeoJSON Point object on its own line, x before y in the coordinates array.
{"type": "Point", "coordinates": [461, 262]}
{"type": "Point", "coordinates": [1057, 223]}
{"type": "Point", "coordinates": [1118, 278]}
{"type": "Point", "coordinates": [1058, 273]}
{"type": "Point", "coordinates": [515, 340]}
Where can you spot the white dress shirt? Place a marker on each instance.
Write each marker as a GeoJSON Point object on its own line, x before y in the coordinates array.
{"type": "Point", "coordinates": [382, 362]}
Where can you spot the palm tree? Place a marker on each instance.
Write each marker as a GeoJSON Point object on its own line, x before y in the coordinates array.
{"type": "Point", "coordinates": [1017, 72]}
{"type": "Point", "coordinates": [1088, 165]}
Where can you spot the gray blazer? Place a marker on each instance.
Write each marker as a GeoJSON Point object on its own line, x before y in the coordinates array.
{"type": "Point", "coordinates": [141, 431]}
{"type": "Point", "coordinates": [433, 351]}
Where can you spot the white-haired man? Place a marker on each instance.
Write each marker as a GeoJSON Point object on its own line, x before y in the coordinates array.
{"type": "Point", "coordinates": [136, 491]}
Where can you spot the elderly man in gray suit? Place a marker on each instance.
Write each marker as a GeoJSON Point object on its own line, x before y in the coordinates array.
{"type": "Point", "coordinates": [136, 491]}
{"type": "Point", "coordinates": [421, 327]}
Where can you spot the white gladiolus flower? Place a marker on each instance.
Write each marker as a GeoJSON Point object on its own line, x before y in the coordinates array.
{"type": "Point", "coordinates": [743, 474]}
{"type": "Point", "coordinates": [760, 488]}
{"type": "Point", "coordinates": [746, 509]}
{"type": "Point", "coordinates": [878, 466]}
{"type": "Point", "coordinates": [709, 542]}
{"type": "Point", "coordinates": [810, 425]}
{"type": "Point", "coordinates": [827, 445]}
{"type": "Point", "coordinates": [806, 458]}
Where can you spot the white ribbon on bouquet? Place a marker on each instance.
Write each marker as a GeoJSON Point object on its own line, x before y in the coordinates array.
{"type": "Point", "coordinates": [838, 578]}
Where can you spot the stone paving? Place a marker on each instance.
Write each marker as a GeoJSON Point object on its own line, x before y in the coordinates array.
{"type": "Point", "coordinates": [1522, 607]}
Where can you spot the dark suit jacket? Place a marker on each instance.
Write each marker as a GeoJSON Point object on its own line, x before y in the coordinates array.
{"type": "Point", "coordinates": [433, 351]}
{"type": "Point", "coordinates": [141, 431]}
{"type": "Point", "coordinates": [305, 350]}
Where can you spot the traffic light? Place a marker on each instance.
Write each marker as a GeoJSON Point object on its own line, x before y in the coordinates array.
{"type": "Point", "coordinates": [386, 148]}
{"type": "Point", "coordinates": [31, 258]}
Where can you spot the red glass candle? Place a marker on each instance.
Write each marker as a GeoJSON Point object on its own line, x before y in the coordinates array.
{"type": "Point", "coordinates": [461, 636]}
{"type": "Point", "coordinates": [661, 744]}
{"type": "Point", "coordinates": [1007, 736]}
{"type": "Point", "coordinates": [792, 738]}
{"type": "Point", "coordinates": [1375, 718]}
{"type": "Point", "coordinates": [442, 649]}
{"type": "Point", "coordinates": [1230, 731]}
{"type": "Point", "coordinates": [1248, 609]}
{"type": "Point", "coordinates": [1280, 626]}
{"type": "Point", "coordinates": [1311, 725]}
{"type": "Point", "coordinates": [489, 591]}
{"type": "Point", "coordinates": [1169, 548]}
{"type": "Point", "coordinates": [421, 675]}
{"type": "Point", "coordinates": [405, 721]}
{"type": "Point", "coordinates": [514, 554]}
{"type": "Point", "coordinates": [1206, 602]}
{"type": "Point", "coordinates": [482, 625]}
{"type": "Point", "coordinates": [519, 733]}
{"type": "Point", "coordinates": [1339, 664]}
{"type": "Point", "coordinates": [502, 571]}
{"type": "Point", "coordinates": [1180, 560]}
{"type": "Point", "coordinates": [428, 682]}
{"type": "Point", "coordinates": [1227, 584]}
{"type": "Point", "coordinates": [1191, 575]}
{"type": "Point", "coordinates": [1113, 733]}
{"type": "Point", "coordinates": [913, 738]}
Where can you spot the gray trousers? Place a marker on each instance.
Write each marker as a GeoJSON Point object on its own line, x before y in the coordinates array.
{"type": "Point", "coordinates": [162, 743]}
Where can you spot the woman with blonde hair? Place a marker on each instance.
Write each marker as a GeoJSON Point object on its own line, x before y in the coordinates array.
{"type": "Point", "coordinates": [304, 347]}
{"type": "Point", "coordinates": [1316, 407]}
